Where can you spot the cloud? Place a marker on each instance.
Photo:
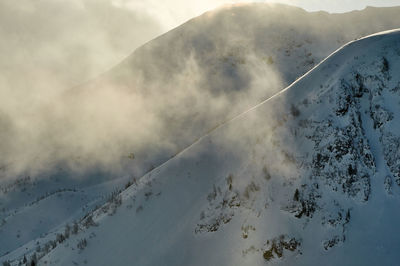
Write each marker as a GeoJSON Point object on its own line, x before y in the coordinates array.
{"type": "Point", "coordinates": [154, 103]}
{"type": "Point", "coordinates": [48, 47]}
{"type": "Point", "coordinates": [98, 124]}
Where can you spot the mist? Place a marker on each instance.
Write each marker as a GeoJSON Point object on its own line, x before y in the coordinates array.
{"type": "Point", "coordinates": [48, 47]}
{"type": "Point", "coordinates": [161, 98]}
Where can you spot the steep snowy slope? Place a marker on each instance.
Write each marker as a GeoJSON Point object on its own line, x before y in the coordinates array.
{"type": "Point", "coordinates": [308, 177]}
{"type": "Point", "coordinates": [185, 82]}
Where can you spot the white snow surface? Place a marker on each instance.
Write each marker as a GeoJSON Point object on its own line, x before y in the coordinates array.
{"type": "Point", "coordinates": [225, 199]}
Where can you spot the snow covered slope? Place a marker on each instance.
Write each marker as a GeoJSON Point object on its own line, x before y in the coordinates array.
{"type": "Point", "coordinates": [191, 79]}
{"type": "Point", "coordinates": [308, 177]}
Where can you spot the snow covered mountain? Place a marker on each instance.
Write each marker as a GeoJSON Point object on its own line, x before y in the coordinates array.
{"type": "Point", "coordinates": [224, 62]}
{"type": "Point", "coordinates": [271, 166]}
{"type": "Point", "coordinates": [308, 177]}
